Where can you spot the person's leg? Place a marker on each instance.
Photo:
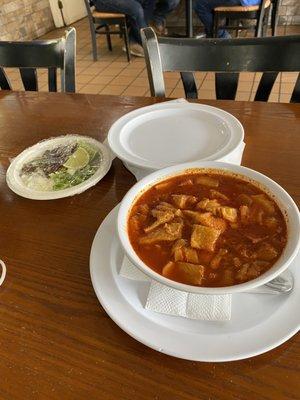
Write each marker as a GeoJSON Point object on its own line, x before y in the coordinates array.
{"type": "Point", "coordinates": [132, 8]}
{"type": "Point", "coordinates": [148, 6]}
{"type": "Point", "coordinates": [162, 9]}
{"type": "Point", "coordinates": [204, 10]}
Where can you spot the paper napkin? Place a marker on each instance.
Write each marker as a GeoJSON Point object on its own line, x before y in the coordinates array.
{"type": "Point", "coordinates": [166, 300]}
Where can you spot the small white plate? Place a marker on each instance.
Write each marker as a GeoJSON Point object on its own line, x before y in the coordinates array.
{"type": "Point", "coordinates": [171, 133]}
{"type": "Point", "coordinates": [259, 322]}
{"type": "Point", "coordinates": [16, 184]}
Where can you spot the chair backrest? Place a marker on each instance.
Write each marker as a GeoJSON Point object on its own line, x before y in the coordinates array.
{"type": "Point", "coordinates": [52, 54]}
{"type": "Point", "coordinates": [227, 57]}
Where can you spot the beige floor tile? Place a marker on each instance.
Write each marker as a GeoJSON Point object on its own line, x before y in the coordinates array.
{"type": "Point", "coordinates": [208, 85]}
{"type": "Point", "coordinates": [246, 76]}
{"type": "Point", "coordinates": [143, 73]}
{"type": "Point", "coordinates": [122, 80]}
{"type": "Point", "coordinates": [143, 82]}
{"type": "Point", "coordinates": [177, 93]}
{"type": "Point", "coordinates": [83, 79]}
{"type": "Point", "coordinates": [82, 63]}
{"type": "Point", "coordinates": [138, 60]}
{"type": "Point", "coordinates": [274, 98]}
{"type": "Point", "coordinates": [210, 76]}
{"type": "Point", "coordinates": [287, 87]}
{"type": "Point", "coordinates": [200, 78]}
{"type": "Point", "coordinates": [170, 82]}
{"type": "Point", "coordinates": [130, 72]}
{"type": "Point", "coordinates": [289, 76]}
{"type": "Point", "coordinates": [168, 92]}
{"type": "Point", "coordinates": [92, 71]}
{"type": "Point", "coordinates": [92, 89]}
{"type": "Point", "coordinates": [111, 71]}
{"type": "Point", "coordinates": [101, 79]}
{"type": "Point", "coordinates": [43, 88]}
{"type": "Point", "coordinates": [114, 89]}
{"type": "Point", "coordinates": [200, 75]}
{"type": "Point", "coordinates": [80, 57]}
{"type": "Point", "coordinates": [284, 98]}
{"type": "Point", "coordinates": [276, 88]}
{"type": "Point", "coordinates": [134, 91]}
{"type": "Point", "coordinates": [80, 70]}
{"type": "Point", "coordinates": [119, 64]}
{"type": "Point", "coordinates": [242, 96]}
{"type": "Point", "coordinates": [101, 64]}
{"type": "Point", "coordinates": [258, 76]}
{"type": "Point", "coordinates": [172, 75]}
{"type": "Point", "coordinates": [179, 84]}
{"type": "Point", "coordinates": [206, 94]}
{"type": "Point", "coordinates": [245, 86]}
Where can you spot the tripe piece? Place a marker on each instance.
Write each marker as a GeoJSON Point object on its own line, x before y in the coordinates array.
{"type": "Point", "coordinates": [168, 232]}
{"type": "Point", "coordinates": [228, 213]}
{"type": "Point", "coordinates": [206, 219]}
{"type": "Point", "coordinates": [204, 237]}
{"type": "Point", "coordinates": [190, 274]}
{"type": "Point", "coordinates": [266, 204]}
{"type": "Point", "coordinates": [183, 200]}
{"type": "Point", "coordinates": [207, 181]}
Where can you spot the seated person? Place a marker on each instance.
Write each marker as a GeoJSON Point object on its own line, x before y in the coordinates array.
{"type": "Point", "coordinates": [138, 12]}
{"type": "Point", "coordinates": [204, 9]}
{"type": "Point", "coordinates": [161, 10]}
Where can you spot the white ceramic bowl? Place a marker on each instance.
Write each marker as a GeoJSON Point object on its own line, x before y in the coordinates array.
{"type": "Point", "coordinates": [282, 198]}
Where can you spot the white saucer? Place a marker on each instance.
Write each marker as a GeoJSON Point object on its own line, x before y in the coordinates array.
{"type": "Point", "coordinates": [175, 132]}
{"type": "Point", "coordinates": [259, 322]}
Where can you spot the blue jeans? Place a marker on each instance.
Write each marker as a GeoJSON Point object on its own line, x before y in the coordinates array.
{"type": "Point", "coordinates": [162, 8]}
{"type": "Point", "coordinates": [204, 10]}
{"type": "Point", "coordinates": [139, 12]}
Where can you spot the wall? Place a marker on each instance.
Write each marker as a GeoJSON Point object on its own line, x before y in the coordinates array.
{"type": "Point", "coordinates": [289, 14]}
{"type": "Point", "coordinates": [24, 19]}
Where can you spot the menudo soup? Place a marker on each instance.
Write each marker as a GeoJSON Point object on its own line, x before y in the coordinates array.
{"type": "Point", "coordinates": [207, 229]}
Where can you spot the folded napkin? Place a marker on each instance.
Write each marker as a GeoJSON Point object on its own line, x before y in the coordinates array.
{"type": "Point", "coordinates": [165, 300]}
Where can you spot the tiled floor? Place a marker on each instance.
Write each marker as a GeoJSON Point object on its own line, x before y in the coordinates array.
{"type": "Point", "coordinates": [112, 74]}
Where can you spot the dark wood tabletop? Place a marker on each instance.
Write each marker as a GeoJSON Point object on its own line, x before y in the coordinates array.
{"type": "Point", "coordinates": [56, 341]}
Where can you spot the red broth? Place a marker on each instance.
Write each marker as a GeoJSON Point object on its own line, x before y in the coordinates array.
{"type": "Point", "coordinates": [208, 230]}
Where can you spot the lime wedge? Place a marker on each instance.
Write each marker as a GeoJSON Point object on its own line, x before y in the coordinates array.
{"type": "Point", "coordinates": [77, 160]}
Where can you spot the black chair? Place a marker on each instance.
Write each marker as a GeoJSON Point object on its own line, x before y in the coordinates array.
{"type": "Point", "coordinates": [230, 14]}
{"type": "Point", "coordinates": [100, 23]}
{"type": "Point", "coordinates": [227, 57]}
{"type": "Point", "coordinates": [52, 54]}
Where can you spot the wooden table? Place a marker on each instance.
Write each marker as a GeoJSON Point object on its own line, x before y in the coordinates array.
{"type": "Point", "coordinates": [56, 342]}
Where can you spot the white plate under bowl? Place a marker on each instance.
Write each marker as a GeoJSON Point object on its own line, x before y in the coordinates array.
{"type": "Point", "coordinates": [16, 184]}
{"type": "Point", "coordinates": [259, 322]}
{"type": "Point", "coordinates": [171, 133]}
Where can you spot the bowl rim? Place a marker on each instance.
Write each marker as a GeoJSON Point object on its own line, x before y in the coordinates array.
{"type": "Point", "coordinates": [135, 192]}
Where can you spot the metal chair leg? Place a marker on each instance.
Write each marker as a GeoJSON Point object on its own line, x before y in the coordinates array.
{"type": "Point", "coordinates": [108, 38]}
{"type": "Point", "coordinates": [94, 42]}
{"type": "Point", "coordinates": [215, 25]}
{"type": "Point", "coordinates": [126, 40]}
